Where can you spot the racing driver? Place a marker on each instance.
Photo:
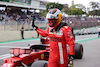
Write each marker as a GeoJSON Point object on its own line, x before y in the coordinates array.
{"type": "Point", "coordinates": [60, 35]}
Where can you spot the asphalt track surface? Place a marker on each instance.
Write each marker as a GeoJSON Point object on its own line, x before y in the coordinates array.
{"type": "Point", "coordinates": [91, 44]}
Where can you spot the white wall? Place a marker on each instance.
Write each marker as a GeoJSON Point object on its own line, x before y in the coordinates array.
{"type": "Point", "coordinates": [35, 3]}
{"type": "Point", "coordinates": [16, 35]}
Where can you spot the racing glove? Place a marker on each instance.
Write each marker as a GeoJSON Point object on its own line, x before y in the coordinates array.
{"type": "Point", "coordinates": [34, 26]}
{"type": "Point", "coordinates": [71, 57]}
{"type": "Point", "coordinates": [70, 64]}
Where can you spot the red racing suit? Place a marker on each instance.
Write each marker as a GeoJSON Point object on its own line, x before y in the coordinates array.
{"type": "Point", "coordinates": [58, 56]}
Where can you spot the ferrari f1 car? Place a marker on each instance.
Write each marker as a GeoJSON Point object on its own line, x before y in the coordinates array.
{"type": "Point", "coordinates": [36, 55]}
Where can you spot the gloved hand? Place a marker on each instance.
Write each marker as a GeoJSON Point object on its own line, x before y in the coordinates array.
{"type": "Point", "coordinates": [71, 57]}
{"type": "Point", "coordinates": [34, 26]}
{"type": "Point", "coordinates": [70, 63]}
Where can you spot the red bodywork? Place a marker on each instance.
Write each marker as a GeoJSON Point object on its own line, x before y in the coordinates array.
{"type": "Point", "coordinates": [27, 57]}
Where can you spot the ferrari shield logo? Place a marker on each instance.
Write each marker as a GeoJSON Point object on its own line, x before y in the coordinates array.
{"type": "Point", "coordinates": [42, 56]}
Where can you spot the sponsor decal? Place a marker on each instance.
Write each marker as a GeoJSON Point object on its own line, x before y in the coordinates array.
{"type": "Point", "coordinates": [55, 39]}
{"type": "Point", "coordinates": [70, 34]}
{"type": "Point", "coordinates": [59, 33]}
{"type": "Point", "coordinates": [7, 65]}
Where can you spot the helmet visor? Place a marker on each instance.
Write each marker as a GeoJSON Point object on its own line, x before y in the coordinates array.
{"type": "Point", "coordinates": [51, 16]}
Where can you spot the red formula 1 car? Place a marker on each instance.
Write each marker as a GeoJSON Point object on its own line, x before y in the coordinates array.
{"type": "Point", "coordinates": [36, 56]}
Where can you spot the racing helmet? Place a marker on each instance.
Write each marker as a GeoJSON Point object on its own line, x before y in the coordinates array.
{"type": "Point", "coordinates": [54, 17]}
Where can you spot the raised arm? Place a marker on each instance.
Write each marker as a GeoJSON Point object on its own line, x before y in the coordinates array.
{"type": "Point", "coordinates": [43, 33]}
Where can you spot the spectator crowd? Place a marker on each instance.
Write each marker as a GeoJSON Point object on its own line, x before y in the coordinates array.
{"type": "Point", "coordinates": [82, 22]}
{"type": "Point", "coordinates": [18, 16]}
{"type": "Point", "coordinates": [22, 17]}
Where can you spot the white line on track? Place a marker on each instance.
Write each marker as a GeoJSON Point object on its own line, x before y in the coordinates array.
{"type": "Point", "coordinates": [16, 42]}
{"type": "Point", "coordinates": [5, 56]}
{"type": "Point", "coordinates": [34, 40]}
{"type": "Point", "coordinates": [12, 47]}
{"type": "Point", "coordinates": [85, 39]}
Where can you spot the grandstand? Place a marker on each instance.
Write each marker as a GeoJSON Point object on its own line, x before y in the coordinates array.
{"type": "Point", "coordinates": [31, 4]}
{"type": "Point", "coordinates": [17, 13]}
{"type": "Point", "coordinates": [83, 22]}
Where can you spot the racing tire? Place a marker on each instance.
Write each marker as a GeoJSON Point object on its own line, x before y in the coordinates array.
{"type": "Point", "coordinates": [78, 51]}
{"type": "Point", "coordinates": [40, 64]}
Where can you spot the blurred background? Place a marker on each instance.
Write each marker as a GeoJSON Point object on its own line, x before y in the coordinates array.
{"type": "Point", "coordinates": [82, 16]}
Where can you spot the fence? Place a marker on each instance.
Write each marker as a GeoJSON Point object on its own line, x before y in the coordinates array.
{"type": "Point", "coordinates": [16, 26]}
